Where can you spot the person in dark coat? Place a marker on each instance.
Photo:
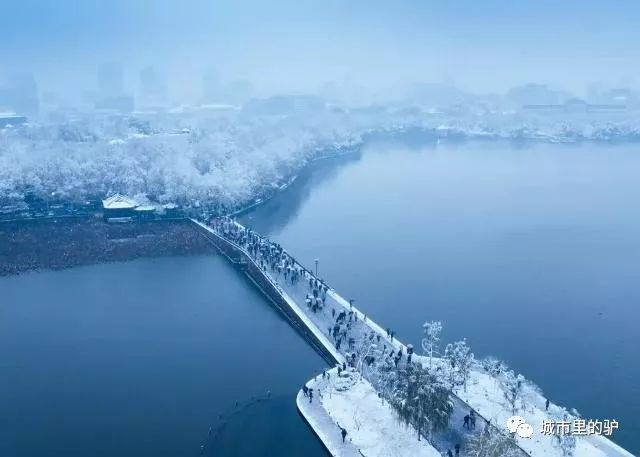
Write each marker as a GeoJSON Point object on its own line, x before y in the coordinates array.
{"type": "Point", "coordinates": [466, 422]}
{"type": "Point", "coordinates": [457, 448]}
{"type": "Point", "coordinates": [449, 453]}
{"type": "Point", "coordinates": [343, 432]}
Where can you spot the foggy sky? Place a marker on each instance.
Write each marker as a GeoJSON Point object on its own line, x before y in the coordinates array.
{"type": "Point", "coordinates": [300, 44]}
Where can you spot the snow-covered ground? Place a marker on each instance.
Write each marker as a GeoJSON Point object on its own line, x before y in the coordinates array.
{"type": "Point", "coordinates": [485, 395]}
{"type": "Point", "coordinates": [371, 424]}
{"type": "Point", "coordinates": [323, 424]}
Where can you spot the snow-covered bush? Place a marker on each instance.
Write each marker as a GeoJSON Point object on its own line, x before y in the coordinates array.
{"type": "Point", "coordinates": [460, 359]}
{"type": "Point", "coordinates": [493, 365]}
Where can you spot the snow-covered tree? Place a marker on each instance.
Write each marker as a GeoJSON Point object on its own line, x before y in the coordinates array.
{"type": "Point", "coordinates": [383, 377]}
{"type": "Point", "coordinates": [367, 354]}
{"type": "Point", "coordinates": [223, 164]}
{"type": "Point", "coordinates": [421, 399]}
{"type": "Point", "coordinates": [431, 338]}
{"type": "Point", "coordinates": [493, 365]}
{"type": "Point", "coordinates": [512, 385]}
{"type": "Point", "coordinates": [491, 443]}
{"type": "Point", "coordinates": [565, 442]}
{"type": "Point", "coordinates": [460, 359]}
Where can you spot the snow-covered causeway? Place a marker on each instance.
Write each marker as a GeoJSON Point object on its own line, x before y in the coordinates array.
{"type": "Point", "coordinates": [348, 401]}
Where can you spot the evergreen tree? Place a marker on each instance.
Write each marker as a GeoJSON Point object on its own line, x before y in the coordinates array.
{"type": "Point", "coordinates": [421, 399]}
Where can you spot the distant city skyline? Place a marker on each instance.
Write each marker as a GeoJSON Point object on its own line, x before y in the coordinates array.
{"type": "Point", "coordinates": [149, 89]}
{"type": "Point", "coordinates": [289, 45]}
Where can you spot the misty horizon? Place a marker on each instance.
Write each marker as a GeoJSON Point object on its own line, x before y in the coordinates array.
{"type": "Point", "coordinates": [299, 47]}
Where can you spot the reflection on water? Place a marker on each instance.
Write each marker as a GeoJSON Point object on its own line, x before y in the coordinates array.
{"type": "Point", "coordinates": [277, 213]}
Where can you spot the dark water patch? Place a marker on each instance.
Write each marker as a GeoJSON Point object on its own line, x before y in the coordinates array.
{"type": "Point", "coordinates": [138, 359]}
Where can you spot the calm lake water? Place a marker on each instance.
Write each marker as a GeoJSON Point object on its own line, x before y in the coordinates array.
{"type": "Point", "coordinates": [139, 358]}
{"type": "Point", "coordinates": [531, 253]}
{"type": "Point", "coordinates": [528, 252]}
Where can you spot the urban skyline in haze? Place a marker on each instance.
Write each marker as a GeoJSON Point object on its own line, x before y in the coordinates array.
{"type": "Point", "coordinates": [287, 46]}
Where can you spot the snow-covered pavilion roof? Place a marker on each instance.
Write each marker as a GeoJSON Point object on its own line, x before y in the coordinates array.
{"type": "Point", "coordinates": [118, 201]}
{"type": "Point", "coordinates": [146, 208]}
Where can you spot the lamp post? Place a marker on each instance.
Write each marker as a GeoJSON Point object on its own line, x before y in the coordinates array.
{"type": "Point", "coordinates": [317, 261]}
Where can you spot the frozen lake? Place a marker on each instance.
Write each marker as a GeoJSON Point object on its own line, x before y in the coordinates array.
{"type": "Point", "coordinates": [528, 252]}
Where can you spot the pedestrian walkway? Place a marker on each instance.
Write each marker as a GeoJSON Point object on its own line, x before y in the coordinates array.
{"type": "Point", "coordinates": [341, 325]}
{"type": "Point", "coordinates": [323, 425]}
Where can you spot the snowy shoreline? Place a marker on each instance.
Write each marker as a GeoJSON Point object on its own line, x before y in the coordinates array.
{"type": "Point", "coordinates": [354, 149]}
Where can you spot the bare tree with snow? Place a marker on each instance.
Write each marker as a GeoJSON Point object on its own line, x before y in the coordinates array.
{"type": "Point", "coordinates": [431, 338]}
{"type": "Point", "coordinates": [460, 360]}
{"type": "Point", "coordinates": [493, 365]}
{"type": "Point", "coordinates": [512, 385]}
{"type": "Point", "coordinates": [565, 442]}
